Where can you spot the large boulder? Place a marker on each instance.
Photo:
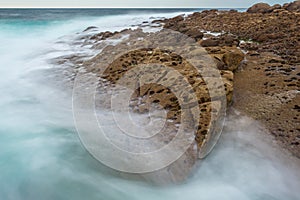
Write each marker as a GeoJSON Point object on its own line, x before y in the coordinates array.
{"type": "Point", "coordinates": [260, 8]}
{"type": "Point", "coordinates": [174, 22]}
{"type": "Point", "coordinates": [294, 6]}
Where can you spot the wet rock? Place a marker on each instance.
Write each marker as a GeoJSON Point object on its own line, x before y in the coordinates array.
{"type": "Point", "coordinates": [102, 35]}
{"type": "Point", "coordinates": [90, 28]}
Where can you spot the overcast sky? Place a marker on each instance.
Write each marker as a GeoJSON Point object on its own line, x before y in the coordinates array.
{"type": "Point", "coordinates": [136, 3]}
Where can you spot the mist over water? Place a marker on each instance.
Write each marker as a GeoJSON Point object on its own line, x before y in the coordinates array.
{"type": "Point", "coordinates": [41, 155]}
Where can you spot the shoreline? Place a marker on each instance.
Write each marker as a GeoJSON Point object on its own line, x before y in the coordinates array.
{"type": "Point", "coordinates": [250, 94]}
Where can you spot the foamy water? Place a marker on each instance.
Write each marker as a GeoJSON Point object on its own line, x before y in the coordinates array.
{"type": "Point", "coordinates": [41, 155]}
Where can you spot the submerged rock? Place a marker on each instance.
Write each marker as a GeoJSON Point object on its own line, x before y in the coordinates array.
{"type": "Point", "coordinates": [90, 28]}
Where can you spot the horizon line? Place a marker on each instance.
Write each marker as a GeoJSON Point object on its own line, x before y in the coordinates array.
{"type": "Point", "coordinates": [119, 7]}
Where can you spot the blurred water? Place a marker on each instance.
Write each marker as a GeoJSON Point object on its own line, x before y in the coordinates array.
{"type": "Point", "coordinates": [41, 156]}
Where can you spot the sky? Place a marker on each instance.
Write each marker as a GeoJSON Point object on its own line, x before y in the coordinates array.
{"type": "Point", "coordinates": [136, 3]}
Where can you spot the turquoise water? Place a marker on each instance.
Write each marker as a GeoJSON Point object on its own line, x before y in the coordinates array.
{"type": "Point", "coordinates": [41, 156]}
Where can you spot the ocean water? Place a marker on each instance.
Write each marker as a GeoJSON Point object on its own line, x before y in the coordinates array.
{"type": "Point", "coordinates": [41, 156]}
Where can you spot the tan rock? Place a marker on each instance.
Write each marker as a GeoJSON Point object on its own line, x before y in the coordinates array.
{"type": "Point", "coordinates": [233, 59]}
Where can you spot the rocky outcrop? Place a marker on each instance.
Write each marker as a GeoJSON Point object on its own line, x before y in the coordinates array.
{"type": "Point", "coordinates": [267, 85]}
{"type": "Point", "coordinates": [211, 93]}
{"type": "Point", "coordinates": [226, 58]}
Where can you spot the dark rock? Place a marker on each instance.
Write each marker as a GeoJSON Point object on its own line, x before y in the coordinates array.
{"type": "Point", "coordinates": [209, 43]}
{"type": "Point", "coordinates": [230, 40]}
{"type": "Point", "coordinates": [90, 28]}
{"type": "Point", "coordinates": [253, 53]}
{"type": "Point", "coordinates": [261, 38]}
{"type": "Point", "coordinates": [220, 64]}
{"type": "Point", "coordinates": [157, 21]}
{"type": "Point", "coordinates": [103, 35]}
{"type": "Point", "coordinates": [294, 6]}
{"type": "Point", "coordinates": [276, 7]}
{"type": "Point", "coordinates": [195, 33]}
{"type": "Point", "coordinates": [259, 8]}
{"type": "Point", "coordinates": [174, 21]}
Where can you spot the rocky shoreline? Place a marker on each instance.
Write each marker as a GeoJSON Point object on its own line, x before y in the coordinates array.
{"type": "Point", "coordinates": [266, 86]}
{"type": "Point", "coordinates": [256, 52]}
{"type": "Point", "coordinates": [267, 83]}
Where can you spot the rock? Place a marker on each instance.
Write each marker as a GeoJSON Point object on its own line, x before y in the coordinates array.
{"type": "Point", "coordinates": [195, 33]}
{"type": "Point", "coordinates": [233, 59]}
{"type": "Point", "coordinates": [209, 43]}
{"type": "Point", "coordinates": [276, 7]}
{"type": "Point", "coordinates": [294, 6]}
{"type": "Point", "coordinates": [266, 37]}
{"type": "Point", "coordinates": [157, 21]}
{"type": "Point", "coordinates": [220, 64]}
{"type": "Point", "coordinates": [233, 11]}
{"type": "Point", "coordinates": [103, 35]}
{"type": "Point", "coordinates": [90, 28]}
{"type": "Point", "coordinates": [230, 40]}
{"type": "Point", "coordinates": [174, 21]}
{"type": "Point", "coordinates": [259, 8]}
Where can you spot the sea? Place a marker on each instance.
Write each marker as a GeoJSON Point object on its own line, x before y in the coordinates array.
{"type": "Point", "coordinates": [41, 156]}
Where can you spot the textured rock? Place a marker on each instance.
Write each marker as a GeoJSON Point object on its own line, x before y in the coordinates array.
{"type": "Point", "coordinates": [233, 59]}
{"type": "Point", "coordinates": [209, 43]}
{"type": "Point", "coordinates": [265, 83]}
{"type": "Point", "coordinates": [194, 33]}
{"type": "Point", "coordinates": [294, 6]}
{"type": "Point", "coordinates": [276, 7]}
{"type": "Point", "coordinates": [226, 58]}
{"type": "Point", "coordinates": [260, 8]}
